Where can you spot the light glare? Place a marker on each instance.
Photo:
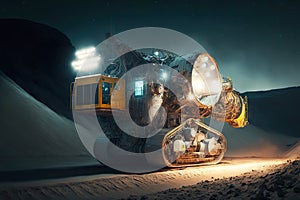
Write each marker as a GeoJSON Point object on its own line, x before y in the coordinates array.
{"type": "Point", "coordinates": [85, 51]}
{"type": "Point", "coordinates": [87, 59]}
{"type": "Point", "coordinates": [204, 59]}
{"type": "Point", "coordinates": [164, 75]}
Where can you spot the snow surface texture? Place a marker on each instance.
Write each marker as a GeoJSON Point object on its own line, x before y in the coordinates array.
{"type": "Point", "coordinates": [32, 135]}
{"type": "Point", "coordinates": [233, 178]}
{"type": "Point", "coordinates": [281, 182]}
{"type": "Point", "coordinates": [253, 141]}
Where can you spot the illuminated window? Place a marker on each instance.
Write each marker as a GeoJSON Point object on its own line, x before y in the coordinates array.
{"type": "Point", "coordinates": [106, 92]}
{"type": "Point", "coordinates": [138, 88]}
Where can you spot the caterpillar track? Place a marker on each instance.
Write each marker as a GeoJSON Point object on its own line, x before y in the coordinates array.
{"type": "Point", "coordinates": [207, 147]}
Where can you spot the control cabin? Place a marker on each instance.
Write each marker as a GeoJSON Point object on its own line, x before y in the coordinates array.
{"type": "Point", "coordinates": [96, 92]}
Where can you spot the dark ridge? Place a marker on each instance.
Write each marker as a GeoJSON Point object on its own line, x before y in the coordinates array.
{"type": "Point", "coordinates": [37, 57]}
{"type": "Point", "coordinates": [270, 93]}
{"type": "Point", "coordinates": [276, 110]}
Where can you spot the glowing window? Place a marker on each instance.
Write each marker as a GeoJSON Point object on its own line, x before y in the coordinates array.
{"type": "Point", "coordinates": [106, 93]}
{"type": "Point", "coordinates": [138, 88]}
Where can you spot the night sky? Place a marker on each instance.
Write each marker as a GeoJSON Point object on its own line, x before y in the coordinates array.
{"type": "Point", "coordinates": [256, 43]}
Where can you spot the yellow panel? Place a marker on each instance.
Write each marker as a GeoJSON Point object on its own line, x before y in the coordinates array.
{"type": "Point", "coordinates": [119, 96]}
{"type": "Point", "coordinates": [242, 119]}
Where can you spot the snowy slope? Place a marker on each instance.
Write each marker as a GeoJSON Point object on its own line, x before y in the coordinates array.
{"type": "Point", "coordinates": [294, 151]}
{"type": "Point", "coordinates": [273, 128]}
{"type": "Point", "coordinates": [37, 57]}
{"type": "Point", "coordinates": [32, 135]}
{"type": "Point", "coordinates": [254, 141]}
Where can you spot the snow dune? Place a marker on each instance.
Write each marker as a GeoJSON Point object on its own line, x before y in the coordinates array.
{"type": "Point", "coordinates": [32, 135]}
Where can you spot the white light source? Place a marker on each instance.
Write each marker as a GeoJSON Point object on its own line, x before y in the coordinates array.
{"type": "Point", "coordinates": [87, 59]}
{"type": "Point", "coordinates": [84, 51]}
{"type": "Point", "coordinates": [77, 64]}
{"type": "Point", "coordinates": [204, 59]}
{"type": "Point", "coordinates": [156, 53]}
{"type": "Point", "coordinates": [206, 80]}
{"type": "Point", "coordinates": [85, 55]}
{"type": "Point", "coordinates": [164, 75]}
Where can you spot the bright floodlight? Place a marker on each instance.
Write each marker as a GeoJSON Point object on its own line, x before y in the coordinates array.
{"type": "Point", "coordinates": [156, 53]}
{"type": "Point", "coordinates": [85, 52]}
{"type": "Point", "coordinates": [206, 80]}
{"type": "Point", "coordinates": [87, 59]}
{"type": "Point", "coordinates": [77, 64]}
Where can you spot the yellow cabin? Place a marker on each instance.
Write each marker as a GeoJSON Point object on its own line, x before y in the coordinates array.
{"type": "Point", "coordinates": [98, 92]}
